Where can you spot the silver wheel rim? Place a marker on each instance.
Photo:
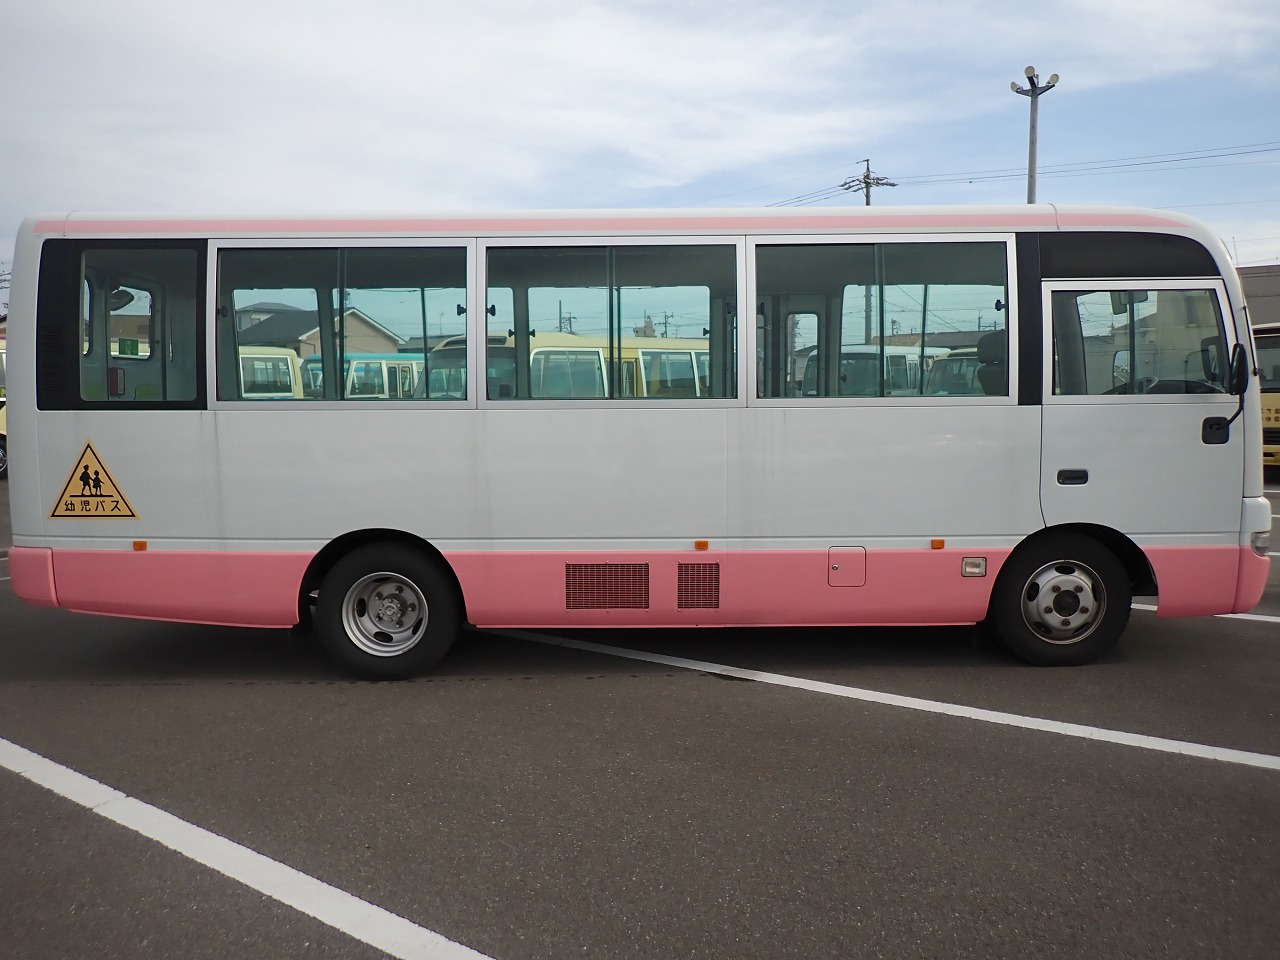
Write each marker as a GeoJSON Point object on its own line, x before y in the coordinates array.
{"type": "Point", "coordinates": [1063, 602]}
{"type": "Point", "coordinates": [384, 614]}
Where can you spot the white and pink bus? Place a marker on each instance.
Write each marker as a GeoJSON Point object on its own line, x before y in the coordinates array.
{"type": "Point", "coordinates": [1112, 450]}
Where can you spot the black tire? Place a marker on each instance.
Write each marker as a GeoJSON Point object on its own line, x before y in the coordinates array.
{"type": "Point", "coordinates": [4, 460]}
{"type": "Point", "coordinates": [386, 612]}
{"type": "Point", "coordinates": [1060, 601]}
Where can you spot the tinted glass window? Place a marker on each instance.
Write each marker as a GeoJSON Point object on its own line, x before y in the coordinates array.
{"type": "Point", "coordinates": [628, 321]}
{"type": "Point", "coordinates": [138, 325]}
{"type": "Point", "coordinates": [1068, 256]}
{"type": "Point", "coordinates": [1137, 341]}
{"type": "Point", "coordinates": [362, 323]}
{"type": "Point", "coordinates": [870, 320]}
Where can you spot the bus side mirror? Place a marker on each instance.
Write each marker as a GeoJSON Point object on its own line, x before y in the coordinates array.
{"type": "Point", "coordinates": [1239, 370]}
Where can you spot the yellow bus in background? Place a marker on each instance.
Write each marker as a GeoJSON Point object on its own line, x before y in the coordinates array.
{"type": "Point", "coordinates": [565, 366]}
{"type": "Point", "coordinates": [270, 372]}
{"type": "Point", "coordinates": [1266, 339]}
{"type": "Point", "coordinates": [4, 423]}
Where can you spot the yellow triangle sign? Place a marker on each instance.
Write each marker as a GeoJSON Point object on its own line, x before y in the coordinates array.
{"type": "Point", "coordinates": [90, 493]}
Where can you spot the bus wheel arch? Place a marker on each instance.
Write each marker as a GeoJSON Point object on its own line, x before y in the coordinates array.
{"type": "Point", "coordinates": [1063, 597]}
{"type": "Point", "coordinates": [384, 604]}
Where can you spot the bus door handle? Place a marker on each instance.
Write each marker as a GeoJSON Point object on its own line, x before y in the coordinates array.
{"type": "Point", "coordinates": [1072, 478]}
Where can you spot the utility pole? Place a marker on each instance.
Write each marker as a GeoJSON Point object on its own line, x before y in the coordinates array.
{"type": "Point", "coordinates": [1034, 93]}
{"type": "Point", "coordinates": [866, 181]}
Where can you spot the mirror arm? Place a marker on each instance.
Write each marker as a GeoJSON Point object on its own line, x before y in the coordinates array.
{"type": "Point", "coordinates": [1239, 364]}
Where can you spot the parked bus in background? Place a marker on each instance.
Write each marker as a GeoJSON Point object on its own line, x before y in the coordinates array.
{"type": "Point", "coordinates": [868, 370]}
{"type": "Point", "coordinates": [565, 366]}
{"type": "Point", "coordinates": [1266, 338]}
{"type": "Point", "coordinates": [367, 375]}
{"type": "Point", "coordinates": [604, 478]}
{"type": "Point", "coordinates": [955, 374]}
{"type": "Point", "coordinates": [4, 422]}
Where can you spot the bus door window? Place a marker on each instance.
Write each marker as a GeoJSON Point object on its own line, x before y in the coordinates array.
{"type": "Point", "coordinates": [1137, 341]}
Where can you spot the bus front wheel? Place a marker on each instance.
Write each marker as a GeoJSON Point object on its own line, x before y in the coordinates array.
{"type": "Point", "coordinates": [386, 612]}
{"type": "Point", "coordinates": [1061, 601]}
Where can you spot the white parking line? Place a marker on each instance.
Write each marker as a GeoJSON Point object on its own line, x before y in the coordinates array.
{"type": "Point", "coordinates": [355, 917]}
{"type": "Point", "coordinates": [1181, 747]}
{"type": "Point", "coordinates": [1258, 617]}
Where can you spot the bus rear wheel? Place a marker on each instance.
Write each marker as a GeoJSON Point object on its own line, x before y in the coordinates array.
{"type": "Point", "coordinates": [1060, 601]}
{"type": "Point", "coordinates": [386, 612]}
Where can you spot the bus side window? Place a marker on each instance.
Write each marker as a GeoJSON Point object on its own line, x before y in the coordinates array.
{"type": "Point", "coordinates": [363, 311]}
{"type": "Point", "coordinates": [867, 319]}
{"type": "Point", "coordinates": [614, 300]}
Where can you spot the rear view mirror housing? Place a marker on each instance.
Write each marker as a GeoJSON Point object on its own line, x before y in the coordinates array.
{"type": "Point", "coordinates": [1240, 371]}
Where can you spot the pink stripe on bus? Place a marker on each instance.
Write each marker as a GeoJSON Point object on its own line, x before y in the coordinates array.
{"type": "Point", "coordinates": [234, 589]}
{"type": "Point", "coordinates": [754, 587]}
{"type": "Point", "coordinates": [32, 571]}
{"type": "Point", "coordinates": [612, 222]}
{"type": "Point", "coordinates": [534, 589]}
{"type": "Point", "coordinates": [1196, 581]}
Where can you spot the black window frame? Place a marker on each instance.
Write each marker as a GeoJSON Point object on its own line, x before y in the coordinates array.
{"type": "Point", "coordinates": [58, 334]}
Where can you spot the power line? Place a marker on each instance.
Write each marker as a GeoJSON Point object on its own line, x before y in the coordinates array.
{"type": "Point", "coordinates": [1208, 153]}
{"type": "Point", "coordinates": [1075, 169]}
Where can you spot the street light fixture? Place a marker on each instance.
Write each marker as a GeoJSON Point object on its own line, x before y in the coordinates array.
{"type": "Point", "coordinates": [1034, 93]}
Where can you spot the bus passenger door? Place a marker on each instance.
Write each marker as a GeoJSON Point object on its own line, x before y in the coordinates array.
{"type": "Point", "coordinates": [1133, 372]}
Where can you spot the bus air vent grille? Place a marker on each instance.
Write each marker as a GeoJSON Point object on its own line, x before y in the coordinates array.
{"type": "Point", "coordinates": [698, 586]}
{"type": "Point", "coordinates": [606, 586]}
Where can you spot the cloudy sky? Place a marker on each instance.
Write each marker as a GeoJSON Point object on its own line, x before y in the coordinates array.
{"type": "Point", "coordinates": [420, 105]}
